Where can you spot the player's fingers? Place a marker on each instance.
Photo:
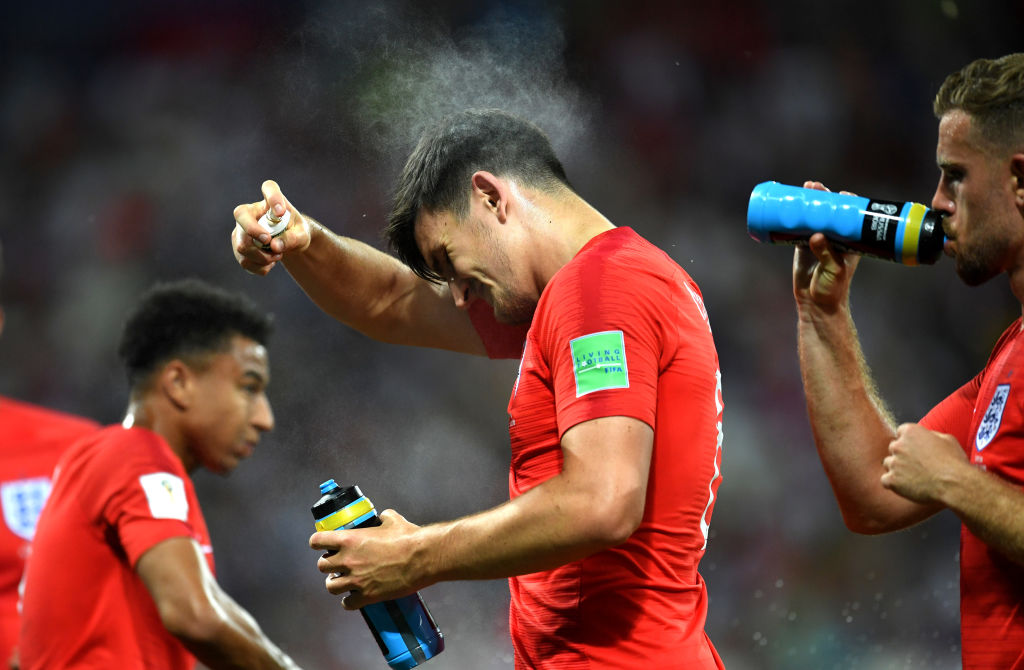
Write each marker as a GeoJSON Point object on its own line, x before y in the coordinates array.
{"type": "Point", "coordinates": [390, 516]}
{"type": "Point", "coordinates": [273, 197]}
{"type": "Point", "coordinates": [823, 252]}
{"type": "Point", "coordinates": [247, 218]}
{"type": "Point", "coordinates": [249, 255]}
{"type": "Point", "coordinates": [327, 540]}
{"type": "Point", "coordinates": [353, 601]}
{"type": "Point", "coordinates": [337, 584]}
{"type": "Point", "coordinates": [803, 263]}
{"type": "Point", "coordinates": [886, 480]}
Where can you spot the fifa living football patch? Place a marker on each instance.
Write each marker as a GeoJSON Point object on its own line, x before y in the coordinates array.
{"type": "Point", "coordinates": [166, 495]}
{"type": "Point", "coordinates": [599, 362]}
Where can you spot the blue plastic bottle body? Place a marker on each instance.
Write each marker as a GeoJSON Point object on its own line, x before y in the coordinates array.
{"type": "Point", "coordinates": [778, 208]}
{"type": "Point", "coordinates": [905, 232]}
{"type": "Point", "coordinates": [403, 628]}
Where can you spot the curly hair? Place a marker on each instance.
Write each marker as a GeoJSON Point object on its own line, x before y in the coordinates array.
{"type": "Point", "coordinates": [186, 319]}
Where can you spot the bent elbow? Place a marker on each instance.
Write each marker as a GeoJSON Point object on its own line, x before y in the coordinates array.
{"type": "Point", "coordinates": [865, 524]}
{"type": "Point", "coordinates": [192, 624]}
{"type": "Point", "coordinates": [614, 524]}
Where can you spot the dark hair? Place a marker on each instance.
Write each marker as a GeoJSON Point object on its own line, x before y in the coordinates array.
{"type": "Point", "coordinates": [436, 176]}
{"type": "Point", "coordinates": [186, 319]}
{"type": "Point", "coordinates": [992, 92]}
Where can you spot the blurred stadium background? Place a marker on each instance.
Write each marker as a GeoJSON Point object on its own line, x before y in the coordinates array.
{"type": "Point", "coordinates": [131, 130]}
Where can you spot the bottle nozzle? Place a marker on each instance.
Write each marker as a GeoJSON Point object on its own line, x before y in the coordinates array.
{"type": "Point", "coordinates": [329, 485]}
{"type": "Point", "coordinates": [274, 224]}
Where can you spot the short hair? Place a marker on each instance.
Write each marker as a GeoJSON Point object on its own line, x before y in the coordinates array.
{"type": "Point", "coordinates": [436, 175]}
{"type": "Point", "coordinates": [992, 92]}
{"type": "Point", "coordinates": [186, 319]}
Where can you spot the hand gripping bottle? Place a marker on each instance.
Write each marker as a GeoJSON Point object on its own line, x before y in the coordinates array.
{"type": "Point", "coordinates": [905, 232]}
{"type": "Point", "coordinates": [273, 224]}
{"type": "Point", "coordinates": [403, 628]}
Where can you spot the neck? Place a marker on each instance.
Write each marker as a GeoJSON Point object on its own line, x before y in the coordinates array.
{"type": "Point", "coordinates": [566, 223]}
{"type": "Point", "coordinates": [143, 413]}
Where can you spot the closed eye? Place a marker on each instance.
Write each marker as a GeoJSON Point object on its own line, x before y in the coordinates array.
{"type": "Point", "coordinates": [447, 269]}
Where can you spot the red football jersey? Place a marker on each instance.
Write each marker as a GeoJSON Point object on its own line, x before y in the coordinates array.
{"type": "Point", "coordinates": [621, 331]}
{"type": "Point", "coordinates": [115, 496]}
{"type": "Point", "coordinates": [986, 417]}
{"type": "Point", "coordinates": [32, 438]}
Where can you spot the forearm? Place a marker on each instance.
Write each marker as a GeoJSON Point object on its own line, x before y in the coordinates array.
{"type": "Point", "coordinates": [991, 508]}
{"type": "Point", "coordinates": [194, 609]}
{"type": "Point", "coordinates": [351, 281]}
{"type": "Point", "coordinates": [595, 502]}
{"type": "Point", "coordinates": [377, 295]}
{"type": "Point", "coordinates": [232, 650]}
{"type": "Point", "coordinates": [851, 426]}
{"type": "Point", "coordinates": [548, 526]}
{"type": "Point", "coordinates": [233, 639]}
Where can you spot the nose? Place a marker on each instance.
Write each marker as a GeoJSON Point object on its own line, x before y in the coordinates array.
{"type": "Point", "coordinates": [460, 292]}
{"type": "Point", "coordinates": [263, 416]}
{"type": "Point", "coordinates": [942, 202]}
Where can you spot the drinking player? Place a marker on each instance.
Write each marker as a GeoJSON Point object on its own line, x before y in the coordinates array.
{"type": "Point", "coordinates": [121, 573]}
{"type": "Point", "coordinates": [615, 416]}
{"type": "Point", "coordinates": [32, 438]}
{"type": "Point", "coordinates": [967, 453]}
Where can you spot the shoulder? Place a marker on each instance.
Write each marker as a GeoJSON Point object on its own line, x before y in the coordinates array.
{"type": "Point", "coordinates": [41, 423]}
{"type": "Point", "coordinates": [1009, 335]}
{"type": "Point", "coordinates": [116, 452]}
{"type": "Point", "coordinates": [620, 270]}
{"type": "Point", "coordinates": [616, 259]}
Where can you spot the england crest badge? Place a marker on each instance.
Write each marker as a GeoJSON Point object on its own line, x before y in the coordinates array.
{"type": "Point", "coordinates": [989, 425]}
{"type": "Point", "coordinates": [22, 501]}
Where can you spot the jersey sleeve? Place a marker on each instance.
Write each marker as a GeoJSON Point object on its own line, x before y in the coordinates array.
{"type": "Point", "coordinates": [954, 414]}
{"type": "Point", "coordinates": [145, 499]}
{"type": "Point", "coordinates": [603, 348]}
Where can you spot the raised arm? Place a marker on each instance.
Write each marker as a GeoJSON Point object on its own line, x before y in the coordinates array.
{"type": "Point", "coordinates": [194, 609]}
{"type": "Point", "coordinates": [852, 428]}
{"type": "Point", "coordinates": [361, 286]}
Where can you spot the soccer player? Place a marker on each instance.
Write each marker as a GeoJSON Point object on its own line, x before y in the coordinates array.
{"type": "Point", "coordinates": [615, 416]}
{"type": "Point", "coordinates": [967, 453]}
{"type": "Point", "coordinates": [121, 573]}
{"type": "Point", "coordinates": [32, 438]}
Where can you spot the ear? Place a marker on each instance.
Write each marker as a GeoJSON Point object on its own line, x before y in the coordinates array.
{"type": "Point", "coordinates": [1017, 169]}
{"type": "Point", "coordinates": [493, 191]}
{"type": "Point", "coordinates": [177, 383]}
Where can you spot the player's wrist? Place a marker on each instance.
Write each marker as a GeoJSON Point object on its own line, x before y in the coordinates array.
{"type": "Point", "coordinates": [434, 554]}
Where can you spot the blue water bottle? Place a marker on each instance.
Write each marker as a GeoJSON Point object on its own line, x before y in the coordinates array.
{"type": "Point", "coordinates": [403, 628]}
{"type": "Point", "coordinates": [905, 232]}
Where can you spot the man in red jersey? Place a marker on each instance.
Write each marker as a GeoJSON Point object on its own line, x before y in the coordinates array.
{"type": "Point", "coordinates": [967, 453]}
{"type": "Point", "coordinates": [32, 438]}
{"type": "Point", "coordinates": [615, 417]}
{"type": "Point", "coordinates": [121, 573]}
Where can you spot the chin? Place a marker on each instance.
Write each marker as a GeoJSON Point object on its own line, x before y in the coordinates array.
{"type": "Point", "coordinates": [974, 274]}
{"type": "Point", "coordinates": [515, 315]}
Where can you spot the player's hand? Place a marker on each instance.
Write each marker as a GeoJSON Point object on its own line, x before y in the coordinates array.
{"type": "Point", "coordinates": [919, 461]}
{"type": "Point", "coordinates": [374, 564]}
{"type": "Point", "coordinates": [254, 249]}
{"type": "Point", "coordinates": [822, 275]}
